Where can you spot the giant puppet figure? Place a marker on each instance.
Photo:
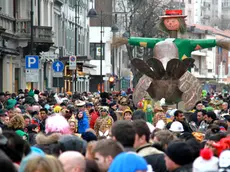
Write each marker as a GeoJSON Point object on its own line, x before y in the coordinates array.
{"type": "Point", "coordinates": [166, 75]}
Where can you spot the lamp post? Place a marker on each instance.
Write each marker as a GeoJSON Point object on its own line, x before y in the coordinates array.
{"type": "Point", "coordinates": [32, 32]}
{"type": "Point", "coordinates": [93, 14]}
{"type": "Point", "coordinates": [77, 5]}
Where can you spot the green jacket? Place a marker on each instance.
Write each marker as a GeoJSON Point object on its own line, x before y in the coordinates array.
{"type": "Point", "coordinates": [185, 46]}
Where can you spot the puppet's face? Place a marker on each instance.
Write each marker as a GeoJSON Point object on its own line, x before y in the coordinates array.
{"type": "Point", "coordinates": [172, 23]}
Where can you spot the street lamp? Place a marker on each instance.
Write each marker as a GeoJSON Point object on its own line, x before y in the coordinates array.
{"type": "Point", "coordinates": [114, 29]}
{"type": "Point", "coordinates": [93, 14]}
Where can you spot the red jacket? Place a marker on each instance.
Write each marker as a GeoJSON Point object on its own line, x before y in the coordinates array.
{"type": "Point", "coordinates": [94, 115]}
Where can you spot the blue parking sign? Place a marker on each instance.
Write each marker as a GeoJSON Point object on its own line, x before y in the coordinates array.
{"type": "Point", "coordinates": [32, 62]}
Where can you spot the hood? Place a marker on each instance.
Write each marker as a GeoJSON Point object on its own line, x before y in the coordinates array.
{"type": "Point", "coordinates": [42, 139]}
{"type": "Point", "coordinates": [147, 149]}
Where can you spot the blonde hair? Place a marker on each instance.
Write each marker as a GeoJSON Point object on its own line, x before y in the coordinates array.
{"type": "Point", "coordinates": [44, 164]}
{"type": "Point", "coordinates": [16, 122]}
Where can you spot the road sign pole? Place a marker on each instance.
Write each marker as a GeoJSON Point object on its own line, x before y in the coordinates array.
{"type": "Point", "coordinates": [58, 85]}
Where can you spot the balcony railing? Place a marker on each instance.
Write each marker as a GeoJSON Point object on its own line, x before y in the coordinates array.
{"type": "Point", "coordinates": [41, 33]}
{"type": "Point", "coordinates": [7, 23]}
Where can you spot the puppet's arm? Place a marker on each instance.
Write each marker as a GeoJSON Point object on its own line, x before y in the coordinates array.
{"type": "Point", "coordinates": [137, 41]}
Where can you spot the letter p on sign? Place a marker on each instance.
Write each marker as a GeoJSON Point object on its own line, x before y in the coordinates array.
{"type": "Point", "coordinates": [32, 62]}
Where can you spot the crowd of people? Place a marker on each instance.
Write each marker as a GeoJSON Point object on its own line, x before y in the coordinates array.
{"type": "Point", "coordinates": [100, 132]}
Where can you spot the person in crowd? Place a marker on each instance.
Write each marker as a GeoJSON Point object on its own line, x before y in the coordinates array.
{"type": "Point", "coordinates": [209, 118]}
{"type": "Point", "coordinates": [112, 109]}
{"type": "Point", "coordinates": [14, 146]}
{"type": "Point", "coordinates": [32, 130]}
{"type": "Point", "coordinates": [68, 142]}
{"type": "Point", "coordinates": [105, 151]}
{"type": "Point", "coordinates": [179, 157]}
{"type": "Point", "coordinates": [199, 107]}
{"type": "Point", "coordinates": [55, 127]}
{"type": "Point", "coordinates": [3, 121]}
{"type": "Point", "coordinates": [127, 115]}
{"type": "Point", "coordinates": [206, 162]}
{"type": "Point", "coordinates": [123, 163]}
{"type": "Point", "coordinates": [103, 123]}
{"type": "Point", "coordinates": [27, 120]}
{"type": "Point", "coordinates": [224, 109]}
{"type": "Point", "coordinates": [152, 155]}
{"type": "Point", "coordinates": [73, 124]}
{"type": "Point", "coordinates": [16, 123]}
{"type": "Point", "coordinates": [73, 161]}
{"type": "Point", "coordinates": [44, 164]}
{"type": "Point", "coordinates": [90, 150]}
{"type": "Point", "coordinates": [83, 122]}
{"type": "Point", "coordinates": [43, 114]}
{"type": "Point", "coordinates": [163, 138]}
{"type": "Point", "coordinates": [124, 132]}
{"type": "Point", "coordinates": [179, 117]}
{"type": "Point", "coordinates": [5, 163]}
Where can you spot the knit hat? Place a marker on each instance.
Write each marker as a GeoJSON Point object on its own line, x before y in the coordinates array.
{"type": "Point", "coordinates": [206, 162]}
{"type": "Point", "coordinates": [57, 109]}
{"type": "Point", "coordinates": [127, 110]}
{"type": "Point", "coordinates": [72, 143]}
{"type": "Point", "coordinates": [224, 161]}
{"type": "Point", "coordinates": [31, 93]}
{"type": "Point", "coordinates": [128, 162]}
{"type": "Point", "coordinates": [176, 127]}
{"type": "Point", "coordinates": [180, 153]}
{"type": "Point", "coordinates": [11, 103]}
{"type": "Point", "coordinates": [35, 152]}
{"type": "Point", "coordinates": [88, 136]}
{"type": "Point", "coordinates": [112, 104]}
{"type": "Point", "coordinates": [22, 134]}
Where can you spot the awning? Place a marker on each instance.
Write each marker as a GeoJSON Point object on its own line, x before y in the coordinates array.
{"type": "Point", "coordinates": [89, 71]}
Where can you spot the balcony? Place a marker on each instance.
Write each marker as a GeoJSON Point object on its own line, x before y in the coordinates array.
{"type": "Point", "coordinates": [7, 24]}
{"type": "Point", "coordinates": [42, 34]}
{"type": "Point", "coordinates": [59, 2]}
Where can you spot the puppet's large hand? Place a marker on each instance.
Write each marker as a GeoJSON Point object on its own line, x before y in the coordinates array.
{"type": "Point", "coordinates": [224, 43]}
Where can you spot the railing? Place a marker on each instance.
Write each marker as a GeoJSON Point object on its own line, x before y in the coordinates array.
{"type": "Point", "coordinates": [59, 1]}
{"type": "Point", "coordinates": [7, 23]}
{"type": "Point", "coordinates": [41, 33]}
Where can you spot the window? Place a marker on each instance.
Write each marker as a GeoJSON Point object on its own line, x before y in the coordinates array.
{"type": "Point", "coordinates": [95, 51]}
{"type": "Point", "coordinates": [189, 1]}
{"type": "Point", "coordinates": [209, 70]}
{"type": "Point", "coordinates": [209, 49]}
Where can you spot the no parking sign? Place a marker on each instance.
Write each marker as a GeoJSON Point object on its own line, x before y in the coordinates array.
{"type": "Point", "coordinates": [72, 62]}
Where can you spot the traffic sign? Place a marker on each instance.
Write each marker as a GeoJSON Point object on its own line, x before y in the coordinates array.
{"type": "Point", "coordinates": [72, 62]}
{"type": "Point", "coordinates": [32, 62]}
{"type": "Point", "coordinates": [58, 66]}
{"type": "Point", "coordinates": [32, 75]}
{"type": "Point", "coordinates": [58, 74]}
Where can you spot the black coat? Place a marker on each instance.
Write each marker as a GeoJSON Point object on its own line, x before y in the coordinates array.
{"type": "Point", "coordinates": [157, 162]}
{"type": "Point", "coordinates": [112, 114]}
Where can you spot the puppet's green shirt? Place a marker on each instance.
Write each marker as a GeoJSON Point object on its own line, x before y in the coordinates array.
{"type": "Point", "coordinates": [185, 46]}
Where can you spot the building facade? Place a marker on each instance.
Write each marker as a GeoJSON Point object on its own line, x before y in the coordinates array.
{"type": "Point", "coordinates": [208, 12]}
{"type": "Point", "coordinates": [55, 23]}
{"type": "Point", "coordinates": [15, 41]}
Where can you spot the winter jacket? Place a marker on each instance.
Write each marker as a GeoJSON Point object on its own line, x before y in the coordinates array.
{"type": "Point", "coordinates": [83, 123]}
{"type": "Point", "coordinates": [94, 116]}
{"type": "Point", "coordinates": [112, 114]}
{"type": "Point", "coordinates": [147, 149]}
{"type": "Point", "coordinates": [153, 156]}
{"type": "Point", "coordinates": [48, 143]}
{"type": "Point", "coordinates": [157, 162]}
{"type": "Point", "coordinates": [184, 168]}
